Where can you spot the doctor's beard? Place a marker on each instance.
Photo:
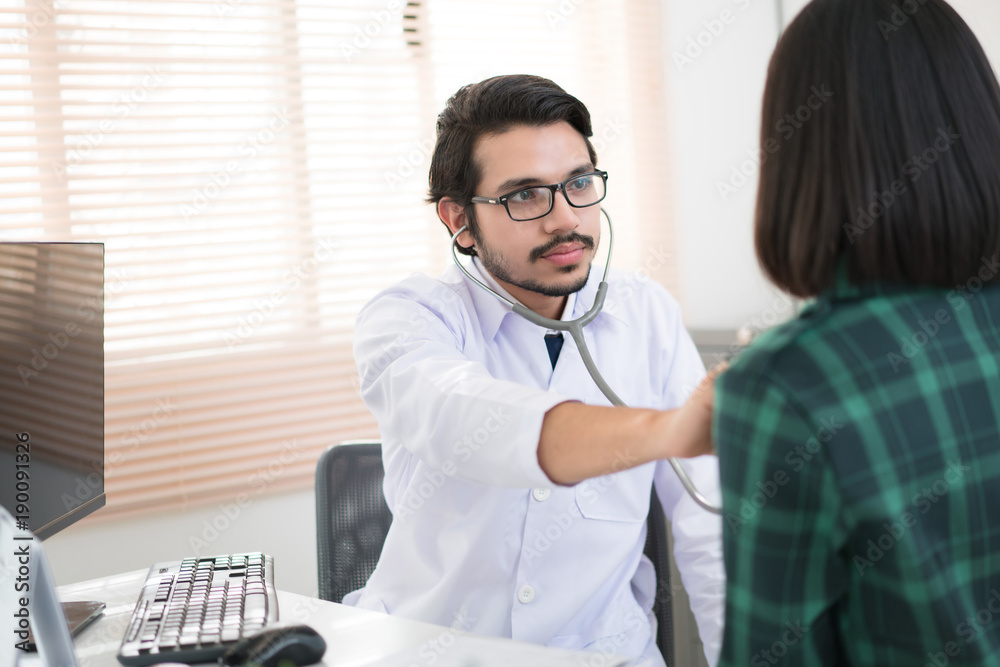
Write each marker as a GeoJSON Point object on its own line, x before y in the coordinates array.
{"type": "Point", "coordinates": [498, 266]}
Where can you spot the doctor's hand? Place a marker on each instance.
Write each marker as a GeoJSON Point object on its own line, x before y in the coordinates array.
{"type": "Point", "coordinates": [690, 430]}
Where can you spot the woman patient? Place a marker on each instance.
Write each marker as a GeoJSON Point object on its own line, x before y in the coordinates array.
{"type": "Point", "coordinates": [860, 443]}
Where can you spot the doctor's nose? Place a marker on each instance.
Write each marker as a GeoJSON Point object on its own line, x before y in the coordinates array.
{"type": "Point", "coordinates": [562, 217]}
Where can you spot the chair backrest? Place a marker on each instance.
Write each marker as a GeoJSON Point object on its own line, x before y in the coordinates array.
{"type": "Point", "coordinates": [352, 520]}
{"type": "Point", "coordinates": [658, 550]}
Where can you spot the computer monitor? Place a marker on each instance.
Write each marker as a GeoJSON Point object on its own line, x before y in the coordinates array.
{"type": "Point", "coordinates": [51, 383]}
{"type": "Point", "coordinates": [52, 392]}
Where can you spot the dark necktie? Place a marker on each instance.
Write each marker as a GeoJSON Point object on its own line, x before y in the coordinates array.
{"type": "Point", "coordinates": [554, 342]}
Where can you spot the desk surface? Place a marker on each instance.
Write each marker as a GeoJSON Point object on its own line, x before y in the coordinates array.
{"type": "Point", "coordinates": [354, 637]}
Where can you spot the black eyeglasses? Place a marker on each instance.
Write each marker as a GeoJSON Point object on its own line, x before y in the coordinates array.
{"type": "Point", "coordinates": [537, 201]}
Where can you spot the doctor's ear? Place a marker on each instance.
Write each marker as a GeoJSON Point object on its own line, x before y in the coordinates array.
{"type": "Point", "coordinates": [454, 216]}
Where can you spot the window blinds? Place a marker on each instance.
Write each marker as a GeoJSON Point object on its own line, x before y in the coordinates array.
{"type": "Point", "coordinates": [256, 169]}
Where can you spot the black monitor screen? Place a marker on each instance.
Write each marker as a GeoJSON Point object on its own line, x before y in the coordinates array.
{"type": "Point", "coordinates": [51, 382]}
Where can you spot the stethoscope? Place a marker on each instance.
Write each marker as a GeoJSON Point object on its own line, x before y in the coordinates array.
{"type": "Point", "coordinates": [575, 328]}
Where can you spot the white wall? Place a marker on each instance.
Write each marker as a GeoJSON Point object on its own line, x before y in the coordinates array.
{"type": "Point", "coordinates": [983, 16]}
{"type": "Point", "coordinates": [715, 124]}
{"type": "Point", "coordinates": [283, 526]}
{"type": "Point", "coordinates": [719, 51]}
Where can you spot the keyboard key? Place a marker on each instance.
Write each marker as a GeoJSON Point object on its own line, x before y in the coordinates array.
{"type": "Point", "coordinates": [137, 618]}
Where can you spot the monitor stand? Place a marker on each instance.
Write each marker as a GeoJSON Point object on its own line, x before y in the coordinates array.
{"type": "Point", "coordinates": [37, 606]}
{"type": "Point", "coordinates": [78, 616]}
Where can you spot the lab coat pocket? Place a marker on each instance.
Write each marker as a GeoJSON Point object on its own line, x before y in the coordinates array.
{"type": "Point", "coordinates": [622, 497]}
{"type": "Point", "coordinates": [622, 630]}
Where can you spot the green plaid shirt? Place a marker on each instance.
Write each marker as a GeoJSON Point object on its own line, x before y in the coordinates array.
{"type": "Point", "coordinates": [859, 448]}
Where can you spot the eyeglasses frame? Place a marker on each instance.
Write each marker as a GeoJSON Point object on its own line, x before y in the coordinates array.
{"type": "Point", "coordinates": [558, 187]}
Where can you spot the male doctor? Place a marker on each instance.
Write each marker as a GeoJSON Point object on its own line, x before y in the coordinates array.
{"type": "Point", "coordinates": [519, 495]}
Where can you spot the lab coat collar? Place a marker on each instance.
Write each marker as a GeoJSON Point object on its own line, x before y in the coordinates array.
{"type": "Point", "coordinates": [492, 311]}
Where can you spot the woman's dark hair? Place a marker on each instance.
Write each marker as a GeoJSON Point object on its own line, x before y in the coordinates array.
{"type": "Point", "coordinates": [492, 107]}
{"type": "Point", "coordinates": [880, 149]}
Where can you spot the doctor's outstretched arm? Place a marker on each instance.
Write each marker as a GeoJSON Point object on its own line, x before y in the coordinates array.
{"type": "Point", "coordinates": [581, 441]}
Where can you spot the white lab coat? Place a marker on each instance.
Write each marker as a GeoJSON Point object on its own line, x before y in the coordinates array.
{"type": "Point", "coordinates": [481, 539]}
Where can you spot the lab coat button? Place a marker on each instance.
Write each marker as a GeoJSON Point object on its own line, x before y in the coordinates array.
{"type": "Point", "coordinates": [526, 594]}
{"type": "Point", "coordinates": [541, 494]}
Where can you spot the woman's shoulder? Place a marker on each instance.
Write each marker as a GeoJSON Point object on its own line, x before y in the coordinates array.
{"type": "Point", "coordinates": [771, 349]}
{"type": "Point", "coordinates": [835, 341]}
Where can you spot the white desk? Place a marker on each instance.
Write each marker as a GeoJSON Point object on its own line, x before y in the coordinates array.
{"type": "Point", "coordinates": [354, 637]}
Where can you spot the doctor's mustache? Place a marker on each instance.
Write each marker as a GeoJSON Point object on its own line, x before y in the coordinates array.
{"type": "Point", "coordinates": [587, 241]}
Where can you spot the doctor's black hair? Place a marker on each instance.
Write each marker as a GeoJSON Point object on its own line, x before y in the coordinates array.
{"type": "Point", "coordinates": [880, 149]}
{"type": "Point", "coordinates": [492, 107]}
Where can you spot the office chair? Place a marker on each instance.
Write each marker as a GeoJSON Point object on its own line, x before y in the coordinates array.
{"type": "Point", "coordinates": [352, 520]}
{"type": "Point", "coordinates": [658, 551]}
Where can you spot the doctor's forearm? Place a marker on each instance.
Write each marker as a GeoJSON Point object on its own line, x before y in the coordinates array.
{"type": "Point", "coordinates": [581, 441]}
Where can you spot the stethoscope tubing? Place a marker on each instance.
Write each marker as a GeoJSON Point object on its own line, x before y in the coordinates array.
{"type": "Point", "coordinates": [575, 329]}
